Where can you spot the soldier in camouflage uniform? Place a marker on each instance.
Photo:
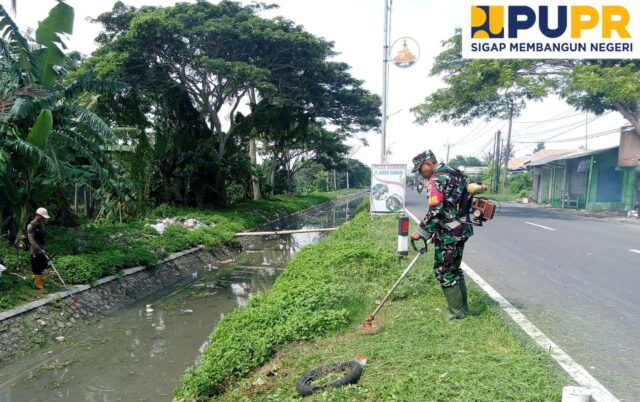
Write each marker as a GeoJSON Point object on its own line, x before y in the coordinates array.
{"type": "Point", "coordinates": [445, 188]}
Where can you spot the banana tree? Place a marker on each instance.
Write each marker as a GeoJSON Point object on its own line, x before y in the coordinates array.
{"type": "Point", "coordinates": [47, 139]}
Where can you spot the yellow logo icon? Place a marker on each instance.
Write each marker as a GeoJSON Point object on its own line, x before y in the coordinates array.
{"type": "Point", "coordinates": [487, 22]}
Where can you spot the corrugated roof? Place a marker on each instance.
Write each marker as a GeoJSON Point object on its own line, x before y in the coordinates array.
{"type": "Point", "coordinates": [522, 162]}
{"type": "Point", "coordinates": [571, 155]}
{"type": "Point", "coordinates": [518, 163]}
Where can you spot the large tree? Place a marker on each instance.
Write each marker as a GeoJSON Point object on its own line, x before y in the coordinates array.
{"type": "Point", "coordinates": [225, 57]}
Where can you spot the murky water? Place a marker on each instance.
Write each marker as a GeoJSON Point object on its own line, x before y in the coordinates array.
{"type": "Point", "coordinates": [141, 352]}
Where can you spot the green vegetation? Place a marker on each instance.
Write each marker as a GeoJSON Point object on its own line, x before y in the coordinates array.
{"type": "Point", "coordinates": [466, 161]}
{"type": "Point", "coordinates": [91, 251]}
{"type": "Point", "coordinates": [49, 139]}
{"type": "Point", "coordinates": [306, 320]}
{"type": "Point", "coordinates": [520, 184]}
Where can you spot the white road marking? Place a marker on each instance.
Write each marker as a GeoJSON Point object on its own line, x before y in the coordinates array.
{"type": "Point", "coordinates": [575, 370]}
{"type": "Point", "coordinates": [634, 251]}
{"type": "Point", "coordinates": [416, 220]}
{"type": "Point", "coordinates": [540, 226]}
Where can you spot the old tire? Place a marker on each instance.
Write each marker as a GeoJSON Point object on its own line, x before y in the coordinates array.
{"type": "Point", "coordinates": [305, 387]}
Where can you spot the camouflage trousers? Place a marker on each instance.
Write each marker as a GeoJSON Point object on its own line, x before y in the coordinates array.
{"type": "Point", "coordinates": [446, 262]}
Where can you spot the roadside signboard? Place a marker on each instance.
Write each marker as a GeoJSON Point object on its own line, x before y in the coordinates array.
{"type": "Point", "coordinates": [388, 182]}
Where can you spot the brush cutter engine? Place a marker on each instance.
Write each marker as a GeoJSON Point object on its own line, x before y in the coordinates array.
{"type": "Point", "coordinates": [475, 211]}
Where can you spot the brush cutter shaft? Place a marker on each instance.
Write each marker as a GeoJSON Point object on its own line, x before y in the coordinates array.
{"type": "Point", "coordinates": [395, 285]}
{"type": "Point", "coordinates": [59, 276]}
{"type": "Point", "coordinates": [404, 273]}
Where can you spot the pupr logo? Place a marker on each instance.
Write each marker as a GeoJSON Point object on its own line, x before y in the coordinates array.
{"type": "Point", "coordinates": [556, 29]}
{"type": "Point", "coordinates": [487, 22]}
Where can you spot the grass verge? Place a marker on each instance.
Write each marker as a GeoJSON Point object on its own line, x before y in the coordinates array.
{"type": "Point", "coordinates": [306, 321]}
{"type": "Point", "coordinates": [86, 253]}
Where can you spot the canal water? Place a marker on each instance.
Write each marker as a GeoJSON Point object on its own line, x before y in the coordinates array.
{"type": "Point", "coordinates": [140, 353]}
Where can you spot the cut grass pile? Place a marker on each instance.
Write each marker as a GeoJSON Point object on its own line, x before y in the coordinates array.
{"type": "Point", "coordinates": [306, 320]}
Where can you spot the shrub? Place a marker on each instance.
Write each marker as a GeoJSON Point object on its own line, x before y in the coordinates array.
{"type": "Point", "coordinates": [519, 182]}
{"type": "Point", "coordinates": [76, 269]}
{"type": "Point", "coordinates": [62, 241]}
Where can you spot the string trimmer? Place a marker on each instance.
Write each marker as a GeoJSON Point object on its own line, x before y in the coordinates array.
{"type": "Point", "coordinates": [74, 300]}
{"type": "Point", "coordinates": [368, 327]}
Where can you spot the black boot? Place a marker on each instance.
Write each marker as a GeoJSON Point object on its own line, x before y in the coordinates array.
{"type": "Point", "coordinates": [463, 288]}
{"type": "Point", "coordinates": [455, 300]}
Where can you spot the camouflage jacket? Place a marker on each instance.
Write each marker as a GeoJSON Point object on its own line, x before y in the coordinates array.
{"type": "Point", "coordinates": [444, 191]}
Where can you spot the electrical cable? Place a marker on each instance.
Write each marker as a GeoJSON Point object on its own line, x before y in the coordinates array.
{"type": "Point", "coordinates": [570, 127]}
{"type": "Point", "coordinates": [593, 135]}
{"type": "Point", "coordinates": [481, 134]}
{"type": "Point", "coordinates": [473, 131]}
{"type": "Point", "coordinates": [561, 116]}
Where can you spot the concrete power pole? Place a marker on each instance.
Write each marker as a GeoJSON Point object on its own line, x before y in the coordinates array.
{"type": "Point", "coordinates": [507, 151]}
{"type": "Point", "coordinates": [448, 149]}
{"type": "Point", "coordinates": [385, 77]}
{"type": "Point", "coordinates": [496, 163]}
{"type": "Point", "coordinates": [586, 131]}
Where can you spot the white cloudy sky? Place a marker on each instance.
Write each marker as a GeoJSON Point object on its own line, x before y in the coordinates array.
{"type": "Point", "coordinates": [356, 28]}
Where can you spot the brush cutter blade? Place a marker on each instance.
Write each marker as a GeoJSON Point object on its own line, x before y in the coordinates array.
{"type": "Point", "coordinates": [369, 328]}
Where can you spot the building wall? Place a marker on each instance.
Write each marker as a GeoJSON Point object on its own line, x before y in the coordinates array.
{"type": "Point", "coordinates": [551, 185]}
{"type": "Point", "coordinates": [606, 172]}
{"type": "Point", "coordinates": [536, 185]}
{"type": "Point", "coordinates": [575, 188]}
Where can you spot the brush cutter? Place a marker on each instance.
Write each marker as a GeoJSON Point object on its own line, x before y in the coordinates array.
{"type": "Point", "coordinates": [368, 327]}
{"type": "Point", "coordinates": [74, 300]}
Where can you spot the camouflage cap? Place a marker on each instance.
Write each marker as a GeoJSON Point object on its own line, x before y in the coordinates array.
{"type": "Point", "coordinates": [422, 157]}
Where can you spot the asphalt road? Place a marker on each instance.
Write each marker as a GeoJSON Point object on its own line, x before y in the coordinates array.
{"type": "Point", "coordinates": [577, 279]}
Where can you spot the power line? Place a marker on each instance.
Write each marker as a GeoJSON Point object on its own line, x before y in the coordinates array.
{"type": "Point", "coordinates": [561, 116]}
{"type": "Point", "coordinates": [572, 126]}
{"type": "Point", "coordinates": [481, 149]}
{"type": "Point", "coordinates": [477, 126]}
{"type": "Point", "coordinates": [580, 138]}
{"type": "Point", "coordinates": [482, 134]}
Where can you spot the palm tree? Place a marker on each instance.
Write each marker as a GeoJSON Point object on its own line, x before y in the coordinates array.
{"type": "Point", "coordinates": [46, 137]}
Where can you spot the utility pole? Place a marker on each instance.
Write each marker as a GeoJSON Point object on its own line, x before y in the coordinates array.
{"type": "Point", "coordinates": [586, 132]}
{"type": "Point", "coordinates": [351, 154]}
{"type": "Point", "coordinates": [448, 148]}
{"type": "Point", "coordinates": [385, 77]}
{"type": "Point", "coordinates": [507, 151]}
{"type": "Point", "coordinates": [496, 163]}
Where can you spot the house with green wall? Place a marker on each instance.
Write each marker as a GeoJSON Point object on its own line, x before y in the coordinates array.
{"type": "Point", "coordinates": [592, 180]}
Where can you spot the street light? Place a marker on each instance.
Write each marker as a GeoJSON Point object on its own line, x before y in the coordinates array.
{"type": "Point", "coordinates": [406, 57]}
{"type": "Point", "coordinates": [385, 75]}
